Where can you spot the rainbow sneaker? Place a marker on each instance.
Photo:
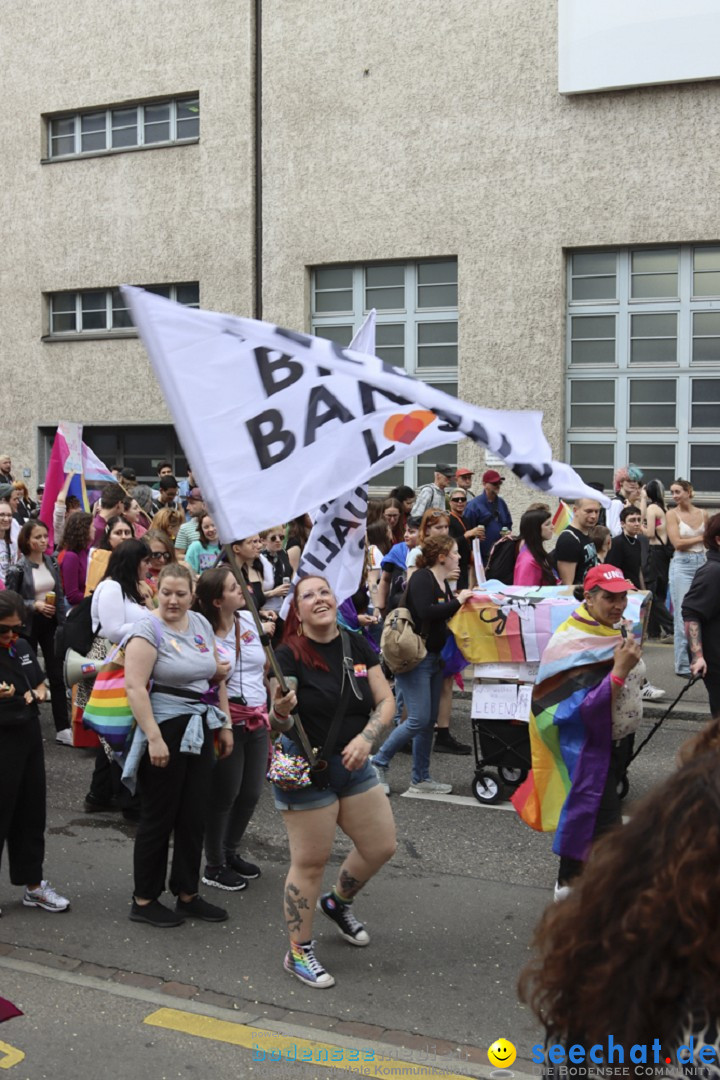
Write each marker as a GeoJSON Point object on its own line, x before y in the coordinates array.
{"type": "Point", "coordinates": [301, 962]}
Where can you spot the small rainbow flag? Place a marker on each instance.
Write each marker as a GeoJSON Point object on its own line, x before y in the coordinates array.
{"type": "Point", "coordinates": [561, 518]}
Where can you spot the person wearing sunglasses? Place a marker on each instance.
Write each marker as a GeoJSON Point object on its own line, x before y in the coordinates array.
{"type": "Point", "coordinates": [161, 552]}
{"type": "Point", "coordinates": [277, 557]}
{"type": "Point", "coordinates": [458, 502]}
{"type": "Point", "coordinates": [22, 761]}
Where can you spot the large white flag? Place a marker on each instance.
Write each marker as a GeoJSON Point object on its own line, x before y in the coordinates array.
{"type": "Point", "coordinates": [275, 422]}
{"type": "Point", "coordinates": [336, 544]}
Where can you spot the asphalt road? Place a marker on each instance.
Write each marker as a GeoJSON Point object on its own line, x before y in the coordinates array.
{"type": "Point", "coordinates": [450, 921]}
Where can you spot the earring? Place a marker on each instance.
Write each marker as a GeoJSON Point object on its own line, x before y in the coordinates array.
{"type": "Point", "coordinates": [300, 630]}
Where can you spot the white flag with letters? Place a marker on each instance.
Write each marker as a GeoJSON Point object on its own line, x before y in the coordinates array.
{"type": "Point", "coordinates": [274, 422]}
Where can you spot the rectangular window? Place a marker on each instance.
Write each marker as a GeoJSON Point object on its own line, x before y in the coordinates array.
{"type": "Point", "coordinates": [643, 362]}
{"type": "Point", "coordinates": [123, 127]}
{"type": "Point", "coordinates": [416, 329]}
{"type": "Point", "coordinates": [141, 448]}
{"type": "Point", "coordinates": [93, 311]}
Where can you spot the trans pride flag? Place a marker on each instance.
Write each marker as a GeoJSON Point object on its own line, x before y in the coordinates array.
{"type": "Point", "coordinates": [93, 471]}
{"type": "Point", "coordinates": [571, 733]}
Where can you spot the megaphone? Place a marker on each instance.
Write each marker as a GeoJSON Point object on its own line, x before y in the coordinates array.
{"type": "Point", "coordinates": [77, 667]}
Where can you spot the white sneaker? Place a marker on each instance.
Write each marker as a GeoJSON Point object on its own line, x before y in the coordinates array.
{"type": "Point", "coordinates": [430, 787]}
{"type": "Point", "coordinates": [561, 892]}
{"type": "Point", "coordinates": [46, 898]}
{"type": "Point", "coordinates": [651, 693]}
{"type": "Point", "coordinates": [64, 737]}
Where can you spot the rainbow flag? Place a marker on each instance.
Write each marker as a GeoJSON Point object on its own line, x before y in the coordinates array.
{"type": "Point", "coordinates": [570, 735]}
{"type": "Point", "coordinates": [561, 518]}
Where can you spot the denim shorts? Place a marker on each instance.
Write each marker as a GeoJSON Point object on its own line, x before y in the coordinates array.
{"type": "Point", "coordinates": [343, 783]}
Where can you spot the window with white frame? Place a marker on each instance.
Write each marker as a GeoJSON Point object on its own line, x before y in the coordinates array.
{"type": "Point", "coordinates": [417, 328]}
{"type": "Point", "coordinates": [101, 311]}
{"type": "Point", "coordinates": [123, 127]}
{"type": "Point", "coordinates": [643, 363]}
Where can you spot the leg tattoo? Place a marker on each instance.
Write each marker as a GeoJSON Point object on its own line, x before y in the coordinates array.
{"type": "Point", "coordinates": [349, 886]}
{"type": "Point", "coordinates": [294, 905]}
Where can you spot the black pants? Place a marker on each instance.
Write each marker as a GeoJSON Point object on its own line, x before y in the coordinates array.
{"type": "Point", "coordinates": [237, 785]}
{"type": "Point", "coordinates": [610, 809]}
{"type": "Point", "coordinates": [22, 801]}
{"type": "Point", "coordinates": [173, 801]}
{"type": "Point", "coordinates": [658, 570]}
{"type": "Point", "coordinates": [712, 685]}
{"type": "Point", "coordinates": [106, 784]}
{"type": "Point", "coordinates": [42, 633]}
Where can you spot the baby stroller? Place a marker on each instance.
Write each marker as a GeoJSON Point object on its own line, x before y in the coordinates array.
{"type": "Point", "coordinates": [503, 745]}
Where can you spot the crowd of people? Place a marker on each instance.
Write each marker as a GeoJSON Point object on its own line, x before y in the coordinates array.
{"type": "Point", "coordinates": [149, 568]}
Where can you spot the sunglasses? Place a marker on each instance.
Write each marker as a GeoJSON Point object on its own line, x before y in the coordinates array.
{"type": "Point", "coordinates": [458, 498]}
{"type": "Point", "coordinates": [277, 537]}
{"type": "Point", "coordinates": [164, 555]}
{"type": "Point", "coordinates": [10, 628]}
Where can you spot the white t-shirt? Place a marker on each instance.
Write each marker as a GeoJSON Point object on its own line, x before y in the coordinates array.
{"type": "Point", "coordinates": [246, 675]}
{"type": "Point", "coordinates": [113, 614]}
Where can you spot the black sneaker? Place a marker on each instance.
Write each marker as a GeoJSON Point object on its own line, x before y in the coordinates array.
{"type": "Point", "coordinates": [341, 914]}
{"type": "Point", "coordinates": [97, 806]}
{"type": "Point", "coordinates": [155, 914]}
{"type": "Point", "coordinates": [197, 908]}
{"type": "Point", "coordinates": [224, 877]}
{"type": "Point", "coordinates": [242, 866]}
{"type": "Point", "coordinates": [450, 745]}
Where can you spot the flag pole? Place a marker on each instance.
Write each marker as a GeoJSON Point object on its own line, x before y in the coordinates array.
{"type": "Point", "coordinates": [265, 641]}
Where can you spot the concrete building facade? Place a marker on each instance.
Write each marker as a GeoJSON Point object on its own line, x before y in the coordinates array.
{"type": "Point", "coordinates": [537, 249]}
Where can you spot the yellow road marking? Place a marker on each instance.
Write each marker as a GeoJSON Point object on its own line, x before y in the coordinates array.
{"type": "Point", "coordinates": [271, 1047]}
{"type": "Point", "coordinates": [12, 1055]}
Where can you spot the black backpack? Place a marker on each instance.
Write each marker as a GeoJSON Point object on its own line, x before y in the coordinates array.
{"type": "Point", "coordinates": [76, 632]}
{"type": "Point", "coordinates": [503, 556]}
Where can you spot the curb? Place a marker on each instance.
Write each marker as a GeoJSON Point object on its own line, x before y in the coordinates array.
{"type": "Point", "coordinates": [259, 1014]}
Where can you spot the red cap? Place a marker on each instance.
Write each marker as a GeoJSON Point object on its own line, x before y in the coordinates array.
{"type": "Point", "coordinates": [608, 578]}
{"type": "Point", "coordinates": [492, 477]}
{"type": "Point", "coordinates": [464, 472]}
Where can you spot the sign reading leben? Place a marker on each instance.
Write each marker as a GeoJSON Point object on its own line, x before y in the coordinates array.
{"type": "Point", "coordinates": [613, 44]}
{"type": "Point", "coordinates": [502, 701]}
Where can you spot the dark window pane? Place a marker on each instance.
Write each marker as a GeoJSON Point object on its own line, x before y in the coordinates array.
{"type": "Point", "coordinates": [594, 462]}
{"type": "Point", "coordinates": [94, 310]}
{"type": "Point", "coordinates": [330, 302]}
{"type": "Point", "coordinates": [661, 325]}
{"type": "Point", "coordinates": [92, 131]}
{"type": "Point", "coordinates": [188, 109]}
{"type": "Point", "coordinates": [654, 261]}
{"type": "Point", "coordinates": [390, 334]}
{"type": "Point", "coordinates": [158, 290]}
{"type": "Point", "coordinates": [652, 390]}
{"type": "Point", "coordinates": [188, 129]}
{"type": "Point", "coordinates": [706, 349]}
{"type": "Point", "coordinates": [376, 276]}
{"type": "Point", "coordinates": [594, 262]}
{"type": "Point", "coordinates": [334, 277]}
{"type": "Point", "coordinates": [65, 144]}
{"type": "Point", "coordinates": [63, 323]}
{"type": "Point", "coordinates": [592, 390]}
{"type": "Point", "coordinates": [155, 114]}
{"type": "Point", "coordinates": [706, 322]}
{"type": "Point", "coordinates": [593, 326]}
{"type": "Point", "coordinates": [437, 356]}
{"type": "Point", "coordinates": [65, 125]}
{"type": "Point", "coordinates": [385, 299]}
{"type": "Point", "coordinates": [124, 124]}
{"type": "Point", "coordinates": [707, 284]}
{"type": "Point", "coordinates": [656, 459]}
{"type": "Point", "coordinates": [594, 288]}
{"type": "Point", "coordinates": [706, 416]}
{"type": "Point", "coordinates": [705, 467]}
{"type": "Point", "coordinates": [389, 479]}
{"type": "Point", "coordinates": [649, 286]}
{"type": "Point", "coordinates": [437, 296]}
{"type": "Point", "coordinates": [342, 335]}
{"type": "Point", "coordinates": [156, 133]}
{"type": "Point", "coordinates": [706, 258]}
{"type": "Point", "coordinates": [188, 293]}
{"type": "Point", "coordinates": [652, 416]}
{"type": "Point", "coordinates": [593, 352]}
{"type": "Point", "coordinates": [148, 442]}
{"type": "Point", "coordinates": [653, 351]}
{"type": "Point", "coordinates": [706, 390]}
{"type": "Point", "coordinates": [592, 416]}
{"type": "Point", "coordinates": [433, 273]}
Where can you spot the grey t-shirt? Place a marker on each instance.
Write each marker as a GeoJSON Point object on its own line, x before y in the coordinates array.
{"type": "Point", "coordinates": [185, 660]}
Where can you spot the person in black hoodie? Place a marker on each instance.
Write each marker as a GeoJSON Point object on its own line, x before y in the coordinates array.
{"type": "Point", "coordinates": [701, 615]}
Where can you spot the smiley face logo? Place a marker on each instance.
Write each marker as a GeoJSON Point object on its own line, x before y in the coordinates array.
{"type": "Point", "coordinates": [502, 1053]}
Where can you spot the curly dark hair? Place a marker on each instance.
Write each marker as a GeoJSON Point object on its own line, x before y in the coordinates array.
{"type": "Point", "coordinates": [77, 533]}
{"type": "Point", "coordinates": [636, 943]}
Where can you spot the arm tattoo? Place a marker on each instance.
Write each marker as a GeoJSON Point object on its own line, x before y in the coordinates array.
{"type": "Point", "coordinates": [693, 634]}
{"type": "Point", "coordinates": [294, 905]}
{"type": "Point", "coordinates": [349, 886]}
{"type": "Point", "coordinates": [374, 730]}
